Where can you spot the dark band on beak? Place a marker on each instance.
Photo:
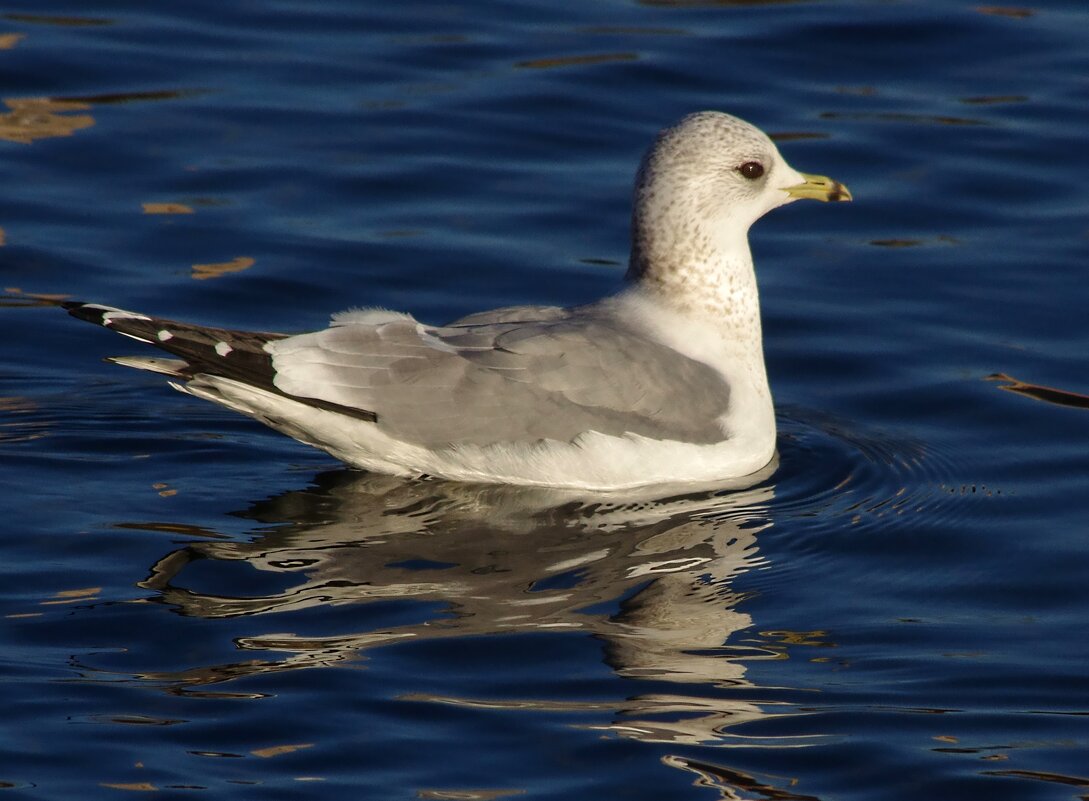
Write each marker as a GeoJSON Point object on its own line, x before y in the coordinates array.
{"type": "Point", "coordinates": [819, 187]}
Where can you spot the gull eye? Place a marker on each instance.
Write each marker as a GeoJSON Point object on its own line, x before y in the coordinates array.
{"type": "Point", "coordinates": [751, 170]}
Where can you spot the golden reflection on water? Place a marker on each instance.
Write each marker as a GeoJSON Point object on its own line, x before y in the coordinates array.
{"type": "Point", "coordinates": [34, 118]}
{"type": "Point", "coordinates": [9, 40]}
{"type": "Point", "coordinates": [81, 595]}
{"type": "Point", "coordinates": [135, 787]}
{"type": "Point", "coordinates": [202, 272]}
{"type": "Point", "coordinates": [1006, 11]}
{"type": "Point", "coordinates": [278, 750]}
{"type": "Point", "coordinates": [166, 208]}
{"type": "Point", "coordinates": [15, 298]}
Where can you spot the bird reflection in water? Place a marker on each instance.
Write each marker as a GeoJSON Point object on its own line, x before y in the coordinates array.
{"type": "Point", "coordinates": [651, 578]}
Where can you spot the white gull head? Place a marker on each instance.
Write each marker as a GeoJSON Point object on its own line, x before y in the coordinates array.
{"type": "Point", "coordinates": [700, 187]}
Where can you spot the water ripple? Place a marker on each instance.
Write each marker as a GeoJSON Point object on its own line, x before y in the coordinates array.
{"type": "Point", "coordinates": [836, 472]}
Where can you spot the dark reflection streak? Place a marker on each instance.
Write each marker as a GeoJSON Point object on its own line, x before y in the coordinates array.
{"type": "Point", "coordinates": [795, 136]}
{"type": "Point", "coordinates": [889, 116]}
{"type": "Point", "coordinates": [48, 19]}
{"type": "Point", "coordinates": [577, 60]}
{"type": "Point", "coordinates": [551, 706]}
{"type": "Point", "coordinates": [990, 100]}
{"type": "Point", "coordinates": [1057, 778]}
{"type": "Point", "coordinates": [1059, 397]}
{"type": "Point", "coordinates": [629, 30]}
{"type": "Point", "coordinates": [880, 708]}
{"type": "Point", "coordinates": [165, 568]}
{"type": "Point", "coordinates": [132, 97]}
{"type": "Point", "coordinates": [1073, 713]}
{"type": "Point", "coordinates": [716, 3]}
{"type": "Point", "coordinates": [728, 781]}
{"type": "Point", "coordinates": [172, 528]}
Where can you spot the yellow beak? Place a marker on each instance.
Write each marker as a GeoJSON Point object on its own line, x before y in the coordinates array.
{"type": "Point", "coordinates": [819, 187]}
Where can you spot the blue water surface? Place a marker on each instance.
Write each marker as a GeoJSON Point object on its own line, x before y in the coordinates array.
{"type": "Point", "coordinates": [196, 606]}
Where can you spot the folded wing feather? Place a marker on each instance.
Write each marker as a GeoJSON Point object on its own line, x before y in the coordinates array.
{"type": "Point", "coordinates": [511, 375]}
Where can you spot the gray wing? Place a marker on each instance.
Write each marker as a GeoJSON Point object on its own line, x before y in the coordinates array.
{"type": "Point", "coordinates": [517, 314]}
{"type": "Point", "coordinates": [512, 375]}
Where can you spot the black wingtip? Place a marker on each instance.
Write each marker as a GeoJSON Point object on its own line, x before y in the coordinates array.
{"type": "Point", "coordinates": [83, 311]}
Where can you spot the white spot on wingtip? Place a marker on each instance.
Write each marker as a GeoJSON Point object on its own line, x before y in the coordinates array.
{"type": "Point", "coordinates": [165, 336]}
{"type": "Point", "coordinates": [110, 313]}
{"type": "Point", "coordinates": [222, 348]}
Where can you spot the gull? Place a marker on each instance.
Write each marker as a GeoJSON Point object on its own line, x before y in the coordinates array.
{"type": "Point", "coordinates": [661, 383]}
